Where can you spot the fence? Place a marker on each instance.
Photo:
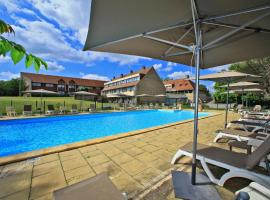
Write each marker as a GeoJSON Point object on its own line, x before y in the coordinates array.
{"type": "Point", "coordinates": [41, 106]}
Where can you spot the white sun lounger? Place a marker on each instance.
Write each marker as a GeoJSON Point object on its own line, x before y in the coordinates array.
{"type": "Point", "coordinates": [256, 191]}
{"type": "Point", "coordinates": [239, 164]}
{"type": "Point", "coordinates": [250, 126]}
{"type": "Point", "coordinates": [238, 135]}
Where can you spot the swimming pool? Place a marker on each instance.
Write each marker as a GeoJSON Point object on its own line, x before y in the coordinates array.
{"type": "Point", "coordinates": [24, 135]}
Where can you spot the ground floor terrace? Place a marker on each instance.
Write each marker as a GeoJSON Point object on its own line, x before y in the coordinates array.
{"type": "Point", "coordinates": [135, 163]}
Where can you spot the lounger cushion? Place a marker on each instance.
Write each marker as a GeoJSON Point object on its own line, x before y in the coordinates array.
{"type": "Point", "coordinates": [241, 133]}
{"type": "Point", "coordinates": [218, 154]}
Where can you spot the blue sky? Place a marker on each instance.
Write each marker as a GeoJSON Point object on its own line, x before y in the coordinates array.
{"type": "Point", "coordinates": [56, 31]}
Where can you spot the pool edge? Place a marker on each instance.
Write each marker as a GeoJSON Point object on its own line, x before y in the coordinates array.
{"type": "Point", "coordinates": [66, 147]}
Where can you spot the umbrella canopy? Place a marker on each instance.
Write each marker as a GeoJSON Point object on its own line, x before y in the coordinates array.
{"type": "Point", "coordinates": [251, 90]}
{"type": "Point", "coordinates": [85, 93]}
{"type": "Point", "coordinates": [216, 32]}
{"type": "Point", "coordinates": [112, 96]}
{"type": "Point", "coordinates": [242, 85]}
{"type": "Point", "coordinates": [39, 91]}
{"type": "Point", "coordinates": [229, 76]}
{"type": "Point", "coordinates": [164, 29]}
{"type": "Point", "coordinates": [160, 95]}
{"type": "Point", "coordinates": [144, 95]}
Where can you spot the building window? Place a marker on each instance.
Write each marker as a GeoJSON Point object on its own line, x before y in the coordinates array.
{"type": "Point", "coordinates": [36, 84]}
{"type": "Point", "coordinates": [48, 85]}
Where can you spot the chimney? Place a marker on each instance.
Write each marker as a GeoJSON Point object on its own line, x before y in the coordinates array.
{"type": "Point", "coordinates": [122, 75]}
{"type": "Point", "coordinates": [131, 71]}
{"type": "Point", "coordinates": [143, 67]}
{"type": "Point", "coordinates": [187, 76]}
{"type": "Point", "coordinates": [113, 78]}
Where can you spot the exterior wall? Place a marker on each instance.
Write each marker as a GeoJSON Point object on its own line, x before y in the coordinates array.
{"type": "Point", "coordinates": [151, 84]}
{"type": "Point", "coordinates": [66, 90]}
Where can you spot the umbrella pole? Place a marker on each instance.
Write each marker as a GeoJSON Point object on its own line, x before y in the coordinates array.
{"type": "Point", "coordinates": [227, 103]}
{"type": "Point", "coordinates": [197, 82]}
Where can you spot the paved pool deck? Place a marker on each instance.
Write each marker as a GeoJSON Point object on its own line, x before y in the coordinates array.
{"type": "Point", "coordinates": [133, 163]}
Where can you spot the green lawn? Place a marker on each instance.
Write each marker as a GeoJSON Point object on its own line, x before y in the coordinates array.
{"type": "Point", "coordinates": [19, 102]}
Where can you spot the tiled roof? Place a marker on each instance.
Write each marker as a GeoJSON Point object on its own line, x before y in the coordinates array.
{"type": "Point", "coordinates": [130, 84]}
{"type": "Point", "coordinates": [141, 71]}
{"type": "Point", "coordinates": [179, 85]}
{"type": "Point", "coordinates": [42, 78]}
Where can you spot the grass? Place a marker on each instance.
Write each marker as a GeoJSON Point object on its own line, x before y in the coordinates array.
{"type": "Point", "coordinates": [19, 102]}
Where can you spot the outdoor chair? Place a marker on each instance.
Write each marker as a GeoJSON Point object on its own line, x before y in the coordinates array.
{"type": "Point", "coordinates": [74, 109]}
{"type": "Point", "coordinates": [99, 187]}
{"type": "Point", "coordinates": [250, 125]}
{"type": "Point", "coordinates": [92, 108]}
{"type": "Point", "coordinates": [239, 135]}
{"type": "Point", "coordinates": [11, 112]}
{"type": "Point", "coordinates": [51, 110]}
{"type": "Point", "coordinates": [257, 108]}
{"type": "Point", "coordinates": [238, 164]}
{"type": "Point", "coordinates": [62, 110]}
{"type": "Point", "coordinates": [27, 110]}
{"type": "Point", "coordinates": [255, 191]}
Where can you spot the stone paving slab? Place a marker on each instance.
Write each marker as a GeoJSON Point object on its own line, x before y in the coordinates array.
{"type": "Point", "coordinates": [133, 163]}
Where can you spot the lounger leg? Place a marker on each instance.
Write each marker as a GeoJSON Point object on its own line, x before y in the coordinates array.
{"type": "Point", "coordinates": [178, 154]}
{"type": "Point", "coordinates": [244, 174]}
{"type": "Point", "coordinates": [208, 172]}
{"type": "Point", "coordinates": [218, 136]}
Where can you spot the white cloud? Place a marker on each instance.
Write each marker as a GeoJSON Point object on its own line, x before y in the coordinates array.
{"type": "Point", "coordinates": [220, 68]}
{"type": "Point", "coordinates": [157, 66]}
{"type": "Point", "coordinates": [171, 64]}
{"type": "Point", "coordinates": [180, 74]}
{"type": "Point", "coordinates": [8, 75]}
{"type": "Point", "coordinates": [53, 43]}
{"type": "Point", "coordinates": [95, 77]}
{"type": "Point", "coordinates": [55, 67]}
{"type": "Point", "coordinates": [168, 69]}
{"type": "Point", "coordinates": [4, 59]}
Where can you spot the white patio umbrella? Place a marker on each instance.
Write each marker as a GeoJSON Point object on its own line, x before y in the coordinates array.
{"type": "Point", "coordinates": [215, 32]}
{"type": "Point", "coordinates": [40, 92]}
{"type": "Point", "coordinates": [144, 95]}
{"type": "Point", "coordinates": [229, 77]}
{"type": "Point", "coordinates": [241, 86]}
{"type": "Point", "coordinates": [83, 94]}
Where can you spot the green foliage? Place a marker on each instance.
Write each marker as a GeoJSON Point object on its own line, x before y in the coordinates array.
{"type": "Point", "coordinates": [259, 67]}
{"type": "Point", "coordinates": [203, 89]}
{"type": "Point", "coordinates": [11, 87]}
{"type": "Point", "coordinates": [17, 51]}
{"type": "Point", "coordinates": [220, 95]}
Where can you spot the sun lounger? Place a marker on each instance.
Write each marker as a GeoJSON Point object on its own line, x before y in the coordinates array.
{"type": "Point", "coordinates": [238, 164]}
{"type": "Point", "coordinates": [255, 191]}
{"type": "Point", "coordinates": [257, 108]}
{"type": "Point", "coordinates": [249, 125]}
{"type": "Point", "coordinates": [51, 110]}
{"type": "Point", "coordinates": [99, 187]}
{"type": "Point", "coordinates": [27, 110]}
{"type": "Point", "coordinates": [10, 111]}
{"type": "Point", "coordinates": [74, 109]}
{"type": "Point", "coordinates": [237, 135]}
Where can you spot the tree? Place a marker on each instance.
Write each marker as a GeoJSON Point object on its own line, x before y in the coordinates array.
{"type": "Point", "coordinates": [220, 95]}
{"type": "Point", "coordinates": [203, 89]}
{"type": "Point", "coordinates": [259, 67]}
{"type": "Point", "coordinates": [17, 52]}
{"type": "Point", "coordinates": [11, 87]}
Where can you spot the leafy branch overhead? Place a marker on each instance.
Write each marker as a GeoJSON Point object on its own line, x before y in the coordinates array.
{"type": "Point", "coordinates": [17, 51]}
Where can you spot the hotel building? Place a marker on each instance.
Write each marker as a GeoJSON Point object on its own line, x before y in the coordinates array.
{"type": "Point", "coordinates": [142, 86]}
{"type": "Point", "coordinates": [61, 84]}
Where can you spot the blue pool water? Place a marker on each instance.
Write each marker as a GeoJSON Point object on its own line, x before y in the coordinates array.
{"type": "Point", "coordinates": [23, 135]}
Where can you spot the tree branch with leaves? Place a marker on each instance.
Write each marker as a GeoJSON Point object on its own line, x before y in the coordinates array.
{"type": "Point", "coordinates": [17, 52]}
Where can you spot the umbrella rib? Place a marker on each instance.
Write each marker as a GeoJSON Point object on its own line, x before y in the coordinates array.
{"type": "Point", "coordinates": [177, 54]}
{"type": "Point", "coordinates": [179, 25]}
{"type": "Point", "coordinates": [174, 44]}
{"type": "Point", "coordinates": [215, 23]}
{"type": "Point", "coordinates": [245, 11]}
{"type": "Point", "coordinates": [236, 30]}
{"type": "Point", "coordinates": [179, 40]}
